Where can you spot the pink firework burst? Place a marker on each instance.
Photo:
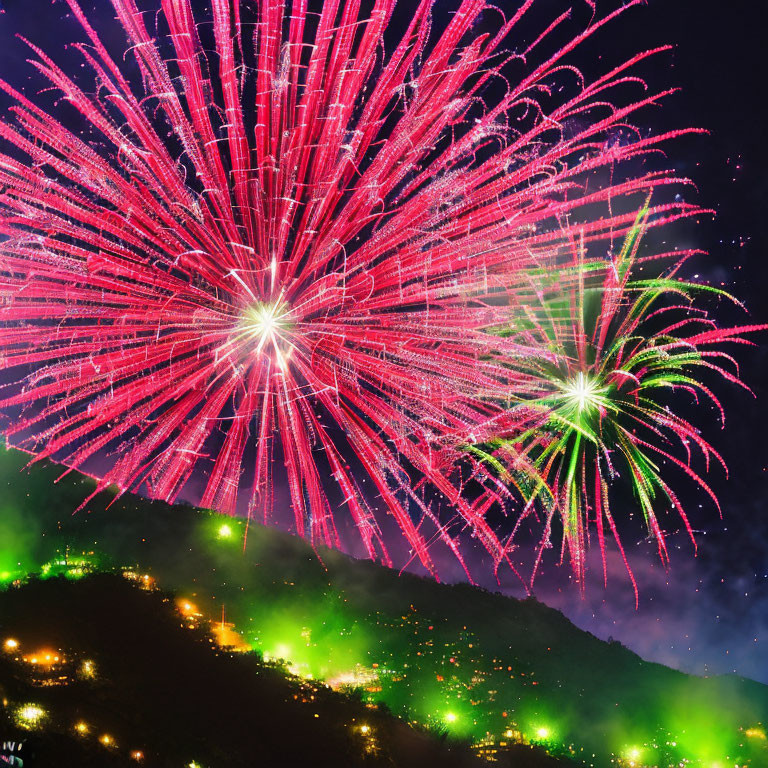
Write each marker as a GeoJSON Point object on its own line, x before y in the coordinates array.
{"type": "Point", "coordinates": [278, 262]}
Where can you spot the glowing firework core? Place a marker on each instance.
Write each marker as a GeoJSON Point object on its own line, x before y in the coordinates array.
{"type": "Point", "coordinates": [265, 321]}
{"type": "Point", "coordinates": [583, 392]}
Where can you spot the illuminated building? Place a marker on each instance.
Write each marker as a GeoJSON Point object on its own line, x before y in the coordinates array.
{"type": "Point", "coordinates": [190, 612]}
{"type": "Point", "coordinates": [359, 677]}
{"type": "Point", "coordinates": [47, 668]}
{"type": "Point", "coordinates": [142, 580]}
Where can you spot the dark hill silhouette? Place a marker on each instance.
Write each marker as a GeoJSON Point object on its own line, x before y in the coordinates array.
{"type": "Point", "coordinates": [163, 690]}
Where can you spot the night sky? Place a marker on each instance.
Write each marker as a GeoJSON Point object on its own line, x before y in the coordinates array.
{"type": "Point", "coordinates": [709, 613]}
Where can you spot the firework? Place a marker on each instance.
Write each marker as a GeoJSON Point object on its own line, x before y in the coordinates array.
{"type": "Point", "coordinates": [273, 260]}
{"type": "Point", "coordinates": [611, 352]}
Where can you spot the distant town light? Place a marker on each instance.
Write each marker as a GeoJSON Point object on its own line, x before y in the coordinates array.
{"type": "Point", "coordinates": [225, 532]}
{"type": "Point", "coordinates": [88, 669]}
{"type": "Point", "coordinates": [11, 644]}
{"type": "Point", "coordinates": [543, 733]}
{"type": "Point", "coordinates": [451, 717]}
{"type": "Point", "coordinates": [44, 658]}
{"type": "Point", "coordinates": [107, 740]}
{"type": "Point", "coordinates": [137, 755]}
{"type": "Point", "coordinates": [30, 715]}
{"type": "Point", "coordinates": [187, 608]}
{"type": "Point", "coordinates": [82, 728]}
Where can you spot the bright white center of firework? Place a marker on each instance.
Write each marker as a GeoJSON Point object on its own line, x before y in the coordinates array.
{"type": "Point", "coordinates": [582, 390]}
{"type": "Point", "coordinates": [264, 321]}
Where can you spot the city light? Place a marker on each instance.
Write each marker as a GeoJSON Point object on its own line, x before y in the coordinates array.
{"type": "Point", "coordinates": [633, 755]}
{"type": "Point", "coordinates": [451, 717]}
{"type": "Point", "coordinates": [137, 755]}
{"type": "Point", "coordinates": [543, 733]}
{"type": "Point", "coordinates": [225, 532]}
{"type": "Point", "coordinates": [188, 609]}
{"type": "Point", "coordinates": [357, 678]}
{"type": "Point", "coordinates": [370, 744]}
{"type": "Point", "coordinates": [11, 644]}
{"type": "Point", "coordinates": [82, 728]}
{"type": "Point", "coordinates": [88, 670]}
{"type": "Point", "coordinates": [43, 658]}
{"type": "Point", "coordinates": [144, 580]}
{"type": "Point", "coordinates": [107, 740]}
{"type": "Point", "coordinates": [30, 716]}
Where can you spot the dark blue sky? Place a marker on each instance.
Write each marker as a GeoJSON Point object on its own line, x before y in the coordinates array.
{"type": "Point", "coordinates": [709, 614]}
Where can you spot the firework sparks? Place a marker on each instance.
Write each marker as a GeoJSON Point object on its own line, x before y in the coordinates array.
{"type": "Point", "coordinates": [278, 264]}
{"type": "Point", "coordinates": [610, 350]}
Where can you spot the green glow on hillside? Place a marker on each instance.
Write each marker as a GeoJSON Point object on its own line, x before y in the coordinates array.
{"type": "Point", "coordinates": [291, 607]}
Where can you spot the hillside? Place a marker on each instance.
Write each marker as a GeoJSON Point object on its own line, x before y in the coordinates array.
{"type": "Point", "coordinates": [130, 685]}
{"type": "Point", "coordinates": [479, 665]}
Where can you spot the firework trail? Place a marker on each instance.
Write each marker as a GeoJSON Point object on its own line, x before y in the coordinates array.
{"type": "Point", "coordinates": [275, 258]}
